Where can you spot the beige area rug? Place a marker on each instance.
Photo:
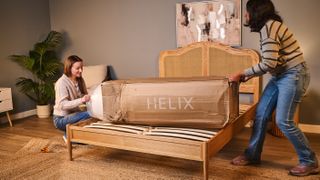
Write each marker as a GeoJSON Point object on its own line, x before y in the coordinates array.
{"type": "Point", "coordinates": [48, 159]}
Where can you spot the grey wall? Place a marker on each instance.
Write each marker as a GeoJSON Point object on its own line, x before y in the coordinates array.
{"type": "Point", "coordinates": [129, 34]}
{"type": "Point", "coordinates": [302, 17]}
{"type": "Point", "coordinates": [126, 34]}
{"type": "Point", "coordinates": [22, 24]}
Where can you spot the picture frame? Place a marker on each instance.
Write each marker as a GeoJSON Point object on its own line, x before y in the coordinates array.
{"type": "Point", "coordinates": [216, 20]}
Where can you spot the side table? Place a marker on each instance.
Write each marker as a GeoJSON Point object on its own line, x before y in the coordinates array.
{"type": "Point", "coordinates": [6, 102]}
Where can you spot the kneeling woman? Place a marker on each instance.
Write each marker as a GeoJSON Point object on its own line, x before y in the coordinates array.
{"type": "Point", "coordinates": [70, 93]}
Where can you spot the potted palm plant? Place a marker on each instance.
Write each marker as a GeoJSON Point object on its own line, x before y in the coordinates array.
{"type": "Point", "coordinates": [44, 66]}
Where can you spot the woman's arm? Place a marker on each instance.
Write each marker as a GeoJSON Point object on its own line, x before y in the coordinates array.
{"type": "Point", "coordinates": [65, 97]}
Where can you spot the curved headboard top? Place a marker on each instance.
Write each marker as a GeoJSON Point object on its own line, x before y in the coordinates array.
{"type": "Point", "coordinates": [210, 59]}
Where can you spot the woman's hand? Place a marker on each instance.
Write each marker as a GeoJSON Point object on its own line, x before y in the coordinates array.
{"type": "Point", "coordinates": [237, 77]}
{"type": "Point", "coordinates": [85, 98]}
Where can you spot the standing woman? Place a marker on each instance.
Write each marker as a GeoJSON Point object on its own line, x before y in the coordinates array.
{"type": "Point", "coordinates": [70, 92]}
{"type": "Point", "coordinates": [283, 58]}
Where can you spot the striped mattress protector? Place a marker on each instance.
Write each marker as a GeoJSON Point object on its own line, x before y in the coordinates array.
{"type": "Point", "coordinates": [184, 133]}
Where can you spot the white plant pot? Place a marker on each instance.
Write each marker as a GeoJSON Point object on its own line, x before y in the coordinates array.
{"type": "Point", "coordinates": [43, 111]}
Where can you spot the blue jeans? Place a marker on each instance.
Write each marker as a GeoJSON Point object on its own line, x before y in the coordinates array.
{"type": "Point", "coordinates": [282, 93]}
{"type": "Point", "coordinates": [61, 122]}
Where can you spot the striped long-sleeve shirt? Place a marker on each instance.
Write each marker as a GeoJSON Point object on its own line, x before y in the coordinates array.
{"type": "Point", "coordinates": [279, 50]}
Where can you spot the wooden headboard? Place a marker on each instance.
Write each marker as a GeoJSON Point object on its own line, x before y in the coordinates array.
{"type": "Point", "coordinates": [210, 59]}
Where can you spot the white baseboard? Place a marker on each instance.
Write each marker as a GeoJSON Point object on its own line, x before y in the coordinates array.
{"type": "Point", "coordinates": [18, 115]}
{"type": "Point", "coordinates": [309, 128]}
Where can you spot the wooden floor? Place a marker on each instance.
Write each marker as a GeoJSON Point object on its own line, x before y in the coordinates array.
{"type": "Point", "coordinates": [277, 151]}
{"type": "Point", "coordinates": [14, 138]}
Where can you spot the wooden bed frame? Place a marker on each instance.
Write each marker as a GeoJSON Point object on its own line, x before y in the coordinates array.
{"type": "Point", "coordinates": [198, 59]}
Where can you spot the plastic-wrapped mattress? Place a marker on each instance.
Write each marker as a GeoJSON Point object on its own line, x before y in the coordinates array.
{"type": "Point", "coordinates": [206, 102]}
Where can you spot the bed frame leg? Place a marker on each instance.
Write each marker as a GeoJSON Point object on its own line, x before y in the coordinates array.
{"type": "Point", "coordinates": [69, 145]}
{"type": "Point", "coordinates": [205, 169]}
{"type": "Point", "coordinates": [205, 162]}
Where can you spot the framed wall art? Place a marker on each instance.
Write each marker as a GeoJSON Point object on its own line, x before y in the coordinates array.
{"type": "Point", "coordinates": [216, 20]}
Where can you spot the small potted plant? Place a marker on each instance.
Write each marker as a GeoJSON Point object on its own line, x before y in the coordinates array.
{"type": "Point", "coordinates": [44, 65]}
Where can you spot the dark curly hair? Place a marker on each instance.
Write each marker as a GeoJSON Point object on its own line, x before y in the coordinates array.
{"type": "Point", "coordinates": [260, 11]}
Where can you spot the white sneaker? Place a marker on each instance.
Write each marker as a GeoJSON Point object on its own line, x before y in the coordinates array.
{"type": "Point", "coordinates": [65, 139]}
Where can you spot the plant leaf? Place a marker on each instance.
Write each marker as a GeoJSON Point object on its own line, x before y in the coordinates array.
{"type": "Point", "coordinates": [43, 63]}
{"type": "Point", "coordinates": [24, 61]}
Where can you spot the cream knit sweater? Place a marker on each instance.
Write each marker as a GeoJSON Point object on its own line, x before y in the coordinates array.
{"type": "Point", "coordinates": [68, 97]}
